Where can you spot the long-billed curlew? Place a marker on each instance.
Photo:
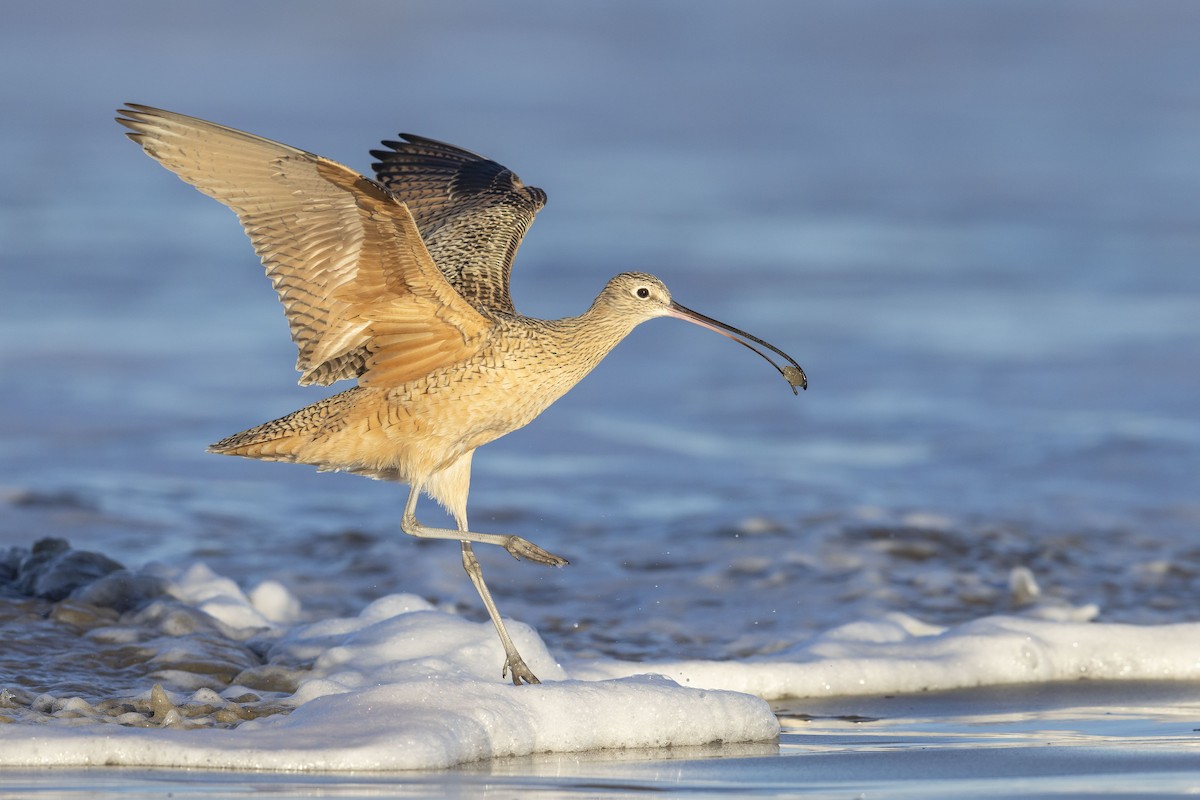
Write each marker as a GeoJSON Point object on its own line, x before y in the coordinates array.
{"type": "Point", "coordinates": [402, 284]}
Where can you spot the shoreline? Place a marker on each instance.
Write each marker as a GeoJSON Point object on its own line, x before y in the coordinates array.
{"type": "Point", "coordinates": [1137, 737]}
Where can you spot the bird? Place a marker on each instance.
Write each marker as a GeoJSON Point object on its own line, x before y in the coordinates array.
{"type": "Point", "coordinates": [400, 283]}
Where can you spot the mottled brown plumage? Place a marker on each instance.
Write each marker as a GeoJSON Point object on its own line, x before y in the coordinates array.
{"type": "Point", "coordinates": [402, 284]}
{"type": "Point", "coordinates": [472, 212]}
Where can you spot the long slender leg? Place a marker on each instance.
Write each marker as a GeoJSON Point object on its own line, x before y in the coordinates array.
{"type": "Point", "coordinates": [516, 546]}
{"type": "Point", "coordinates": [513, 661]}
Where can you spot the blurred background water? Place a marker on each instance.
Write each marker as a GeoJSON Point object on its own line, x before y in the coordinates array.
{"type": "Point", "coordinates": [973, 224]}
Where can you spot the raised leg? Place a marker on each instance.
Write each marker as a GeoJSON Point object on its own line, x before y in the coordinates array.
{"type": "Point", "coordinates": [516, 546]}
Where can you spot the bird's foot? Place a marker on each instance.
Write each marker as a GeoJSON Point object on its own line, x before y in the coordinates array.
{"type": "Point", "coordinates": [520, 548]}
{"type": "Point", "coordinates": [520, 672]}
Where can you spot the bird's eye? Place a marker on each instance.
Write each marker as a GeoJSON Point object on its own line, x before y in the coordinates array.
{"type": "Point", "coordinates": [643, 292]}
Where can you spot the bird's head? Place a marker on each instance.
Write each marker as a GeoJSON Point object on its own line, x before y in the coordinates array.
{"type": "Point", "coordinates": [638, 296]}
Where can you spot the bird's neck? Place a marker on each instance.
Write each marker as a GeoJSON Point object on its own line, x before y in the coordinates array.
{"type": "Point", "coordinates": [582, 342]}
{"type": "Point", "coordinates": [544, 359]}
{"type": "Point", "coordinates": [602, 329]}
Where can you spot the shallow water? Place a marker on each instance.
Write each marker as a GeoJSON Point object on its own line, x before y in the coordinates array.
{"type": "Point", "coordinates": [973, 226]}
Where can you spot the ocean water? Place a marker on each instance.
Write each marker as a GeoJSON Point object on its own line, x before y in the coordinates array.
{"type": "Point", "coordinates": [973, 225]}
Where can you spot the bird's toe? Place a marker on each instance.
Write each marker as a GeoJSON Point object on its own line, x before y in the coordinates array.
{"type": "Point", "coordinates": [520, 548]}
{"type": "Point", "coordinates": [520, 673]}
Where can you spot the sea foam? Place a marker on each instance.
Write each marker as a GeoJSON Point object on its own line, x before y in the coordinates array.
{"type": "Point", "coordinates": [402, 685]}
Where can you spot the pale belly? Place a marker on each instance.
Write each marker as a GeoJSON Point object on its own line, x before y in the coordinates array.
{"type": "Point", "coordinates": [410, 432]}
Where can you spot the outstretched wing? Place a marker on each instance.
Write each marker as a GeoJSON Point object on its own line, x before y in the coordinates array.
{"type": "Point", "coordinates": [361, 292]}
{"type": "Point", "coordinates": [471, 211]}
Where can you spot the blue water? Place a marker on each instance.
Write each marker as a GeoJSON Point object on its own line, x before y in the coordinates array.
{"type": "Point", "coordinates": [974, 225]}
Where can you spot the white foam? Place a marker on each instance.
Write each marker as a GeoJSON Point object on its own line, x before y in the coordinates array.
{"type": "Point", "coordinates": [433, 722]}
{"type": "Point", "coordinates": [222, 599]}
{"type": "Point", "coordinates": [405, 686]}
{"type": "Point", "coordinates": [275, 602]}
{"type": "Point", "coordinates": [400, 686]}
{"type": "Point", "coordinates": [899, 655]}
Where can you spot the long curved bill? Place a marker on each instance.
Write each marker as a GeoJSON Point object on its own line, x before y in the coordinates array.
{"type": "Point", "coordinates": [791, 372]}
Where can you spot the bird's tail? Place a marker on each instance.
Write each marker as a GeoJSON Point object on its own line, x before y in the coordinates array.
{"type": "Point", "coordinates": [282, 439]}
